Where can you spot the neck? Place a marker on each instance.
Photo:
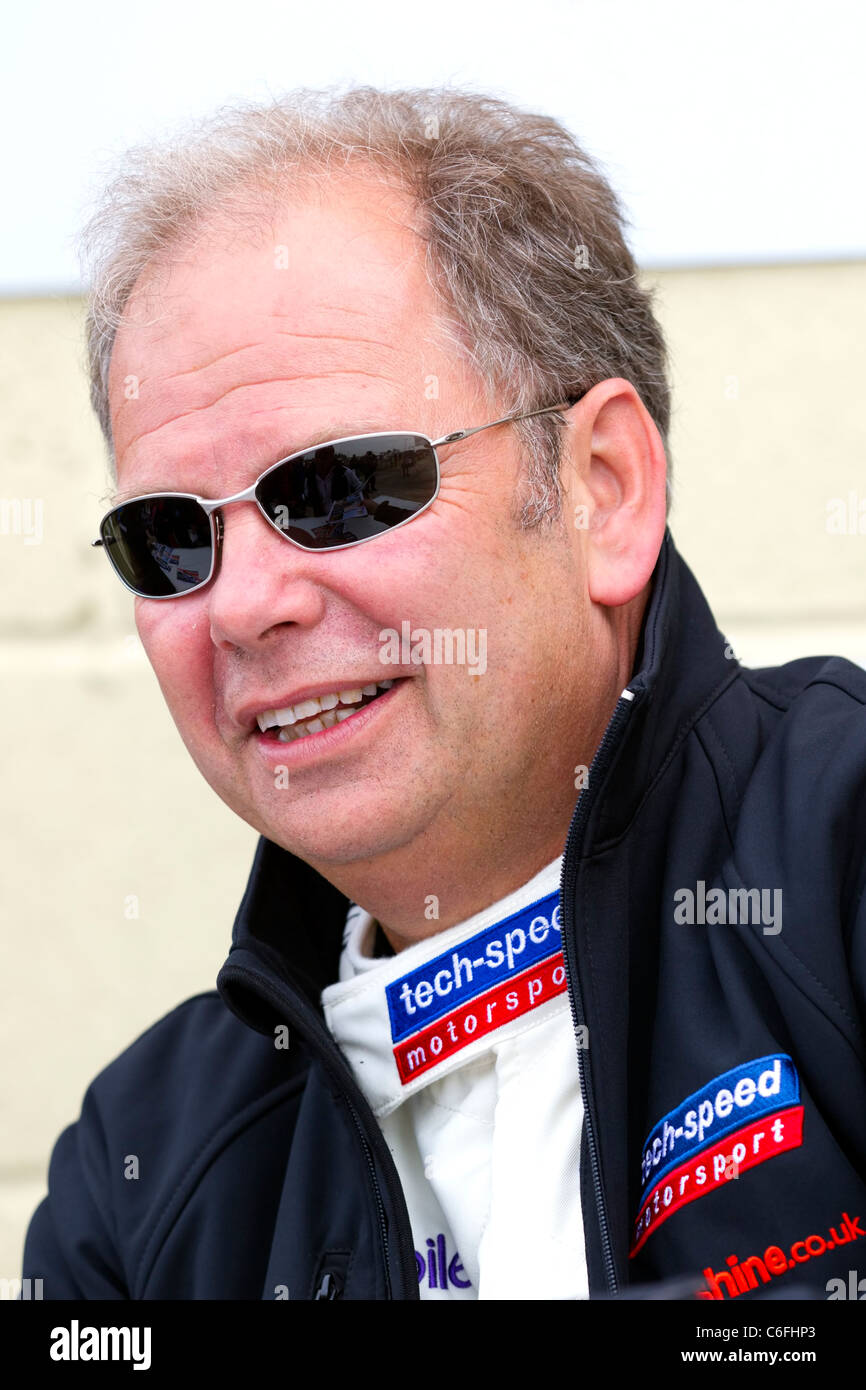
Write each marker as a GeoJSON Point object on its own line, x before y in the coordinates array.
{"type": "Point", "coordinates": [450, 872]}
{"type": "Point", "coordinates": [471, 857]}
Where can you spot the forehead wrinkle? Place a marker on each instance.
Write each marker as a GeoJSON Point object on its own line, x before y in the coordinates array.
{"type": "Point", "coordinates": [203, 366]}
{"type": "Point", "coordinates": [338, 338]}
{"type": "Point", "coordinates": [242, 386]}
{"type": "Point", "coordinates": [226, 379]}
{"type": "Point", "coordinates": [286, 333]}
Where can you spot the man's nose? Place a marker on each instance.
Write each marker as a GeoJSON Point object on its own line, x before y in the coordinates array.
{"type": "Point", "coordinates": [261, 580]}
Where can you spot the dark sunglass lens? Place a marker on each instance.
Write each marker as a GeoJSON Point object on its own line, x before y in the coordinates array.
{"type": "Point", "coordinates": [159, 545]}
{"type": "Point", "coordinates": [337, 494]}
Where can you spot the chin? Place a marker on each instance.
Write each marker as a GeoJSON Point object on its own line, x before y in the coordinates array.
{"type": "Point", "coordinates": [325, 845]}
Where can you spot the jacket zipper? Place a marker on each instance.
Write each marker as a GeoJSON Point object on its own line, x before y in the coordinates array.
{"type": "Point", "coordinates": [568, 886]}
{"type": "Point", "coordinates": [380, 1205]}
{"type": "Point", "coordinates": [318, 1039]}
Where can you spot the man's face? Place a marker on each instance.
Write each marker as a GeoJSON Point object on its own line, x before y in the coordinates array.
{"type": "Point", "coordinates": [240, 363]}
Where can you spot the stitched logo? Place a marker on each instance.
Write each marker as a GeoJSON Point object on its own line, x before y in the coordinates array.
{"type": "Point", "coordinates": [732, 1124]}
{"type": "Point", "coordinates": [499, 974]}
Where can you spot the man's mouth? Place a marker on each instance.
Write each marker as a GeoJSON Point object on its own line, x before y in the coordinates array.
{"type": "Point", "coordinates": [317, 713]}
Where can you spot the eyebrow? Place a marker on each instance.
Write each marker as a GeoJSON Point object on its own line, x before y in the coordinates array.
{"type": "Point", "coordinates": [339, 430]}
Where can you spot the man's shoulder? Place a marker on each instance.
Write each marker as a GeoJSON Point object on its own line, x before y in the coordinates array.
{"type": "Point", "coordinates": [790, 760]}
{"type": "Point", "coordinates": [813, 714]}
{"type": "Point", "coordinates": [795, 732]}
{"type": "Point", "coordinates": [183, 1115]}
{"type": "Point", "coordinates": [198, 1058]}
{"type": "Point", "coordinates": [787, 745]}
{"type": "Point", "coordinates": [191, 1083]}
{"type": "Point", "coordinates": [795, 686]}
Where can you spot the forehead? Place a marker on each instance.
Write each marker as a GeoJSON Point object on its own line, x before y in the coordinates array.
{"type": "Point", "coordinates": [248, 342]}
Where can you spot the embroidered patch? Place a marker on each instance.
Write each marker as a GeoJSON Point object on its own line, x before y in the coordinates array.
{"type": "Point", "coordinates": [733, 1123]}
{"type": "Point", "coordinates": [461, 995]}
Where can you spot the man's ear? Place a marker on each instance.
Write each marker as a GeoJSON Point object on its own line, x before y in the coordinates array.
{"type": "Point", "coordinates": [617, 470]}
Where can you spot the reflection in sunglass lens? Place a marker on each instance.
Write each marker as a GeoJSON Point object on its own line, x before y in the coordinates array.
{"type": "Point", "coordinates": [337, 494]}
{"type": "Point", "coordinates": [159, 545]}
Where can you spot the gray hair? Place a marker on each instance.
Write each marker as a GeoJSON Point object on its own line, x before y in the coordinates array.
{"type": "Point", "coordinates": [525, 247]}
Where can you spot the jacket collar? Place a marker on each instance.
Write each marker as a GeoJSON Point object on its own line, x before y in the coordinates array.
{"type": "Point", "coordinates": [291, 918]}
{"type": "Point", "coordinates": [680, 669]}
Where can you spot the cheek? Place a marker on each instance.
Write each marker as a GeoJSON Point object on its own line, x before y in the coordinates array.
{"type": "Point", "coordinates": [179, 652]}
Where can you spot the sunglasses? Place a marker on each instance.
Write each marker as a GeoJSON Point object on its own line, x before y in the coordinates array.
{"type": "Point", "coordinates": [341, 493]}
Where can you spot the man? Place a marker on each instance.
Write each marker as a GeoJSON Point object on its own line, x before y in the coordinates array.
{"type": "Point", "coordinates": [329, 481]}
{"type": "Point", "coordinates": [548, 979]}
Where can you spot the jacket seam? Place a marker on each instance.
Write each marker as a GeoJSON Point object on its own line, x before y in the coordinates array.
{"type": "Point", "coordinates": [689, 723]}
{"type": "Point", "coordinates": [720, 749]}
{"type": "Point", "coordinates": [841, 688]}
{"type": "Point", "coordinates": [858, 1036]}
{"type": "Point", "coordinates": [784, 944]}
{"type": "Point", "coordinates": [772, 697]}
{"type": "Point", "coordinates": [855, 1041]}
{"type": "Point", "coordinates": [791, 952]}
{"type": "Point", "coordinates": [687, 727]}
{"type": "Point", "coordinates": [206, 1154]}
{"type": "Point", "coordinates": [780, 700]}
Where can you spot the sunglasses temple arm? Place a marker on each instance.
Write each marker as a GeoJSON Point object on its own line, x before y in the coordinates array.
{"type": "Point", "coordinates": [506, 419]}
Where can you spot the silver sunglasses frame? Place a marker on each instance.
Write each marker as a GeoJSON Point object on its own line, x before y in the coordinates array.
{"type": "Point", "coordinates": [210, 506]}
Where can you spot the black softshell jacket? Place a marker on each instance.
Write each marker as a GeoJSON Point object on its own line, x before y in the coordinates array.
{"type": "Point", "coordinates": [722, 1062]}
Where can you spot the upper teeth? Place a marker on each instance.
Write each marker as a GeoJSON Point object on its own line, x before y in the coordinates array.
{"type": "Point", "coordinates": [317, 704]}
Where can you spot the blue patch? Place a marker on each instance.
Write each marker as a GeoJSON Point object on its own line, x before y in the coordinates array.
{"type": "Point", "coordinates": [735, 1098]}
{"type": "Point", "coordinates": [496, 954]}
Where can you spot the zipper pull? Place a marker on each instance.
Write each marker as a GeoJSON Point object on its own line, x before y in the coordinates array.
{"type": "Point", "coordinates": [329, 1288]}
{"type": "Point", "coordinates": [330, 1277]}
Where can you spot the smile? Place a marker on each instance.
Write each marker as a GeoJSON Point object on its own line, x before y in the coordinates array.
{"type": "Point", "coordinates": [319, 712]}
